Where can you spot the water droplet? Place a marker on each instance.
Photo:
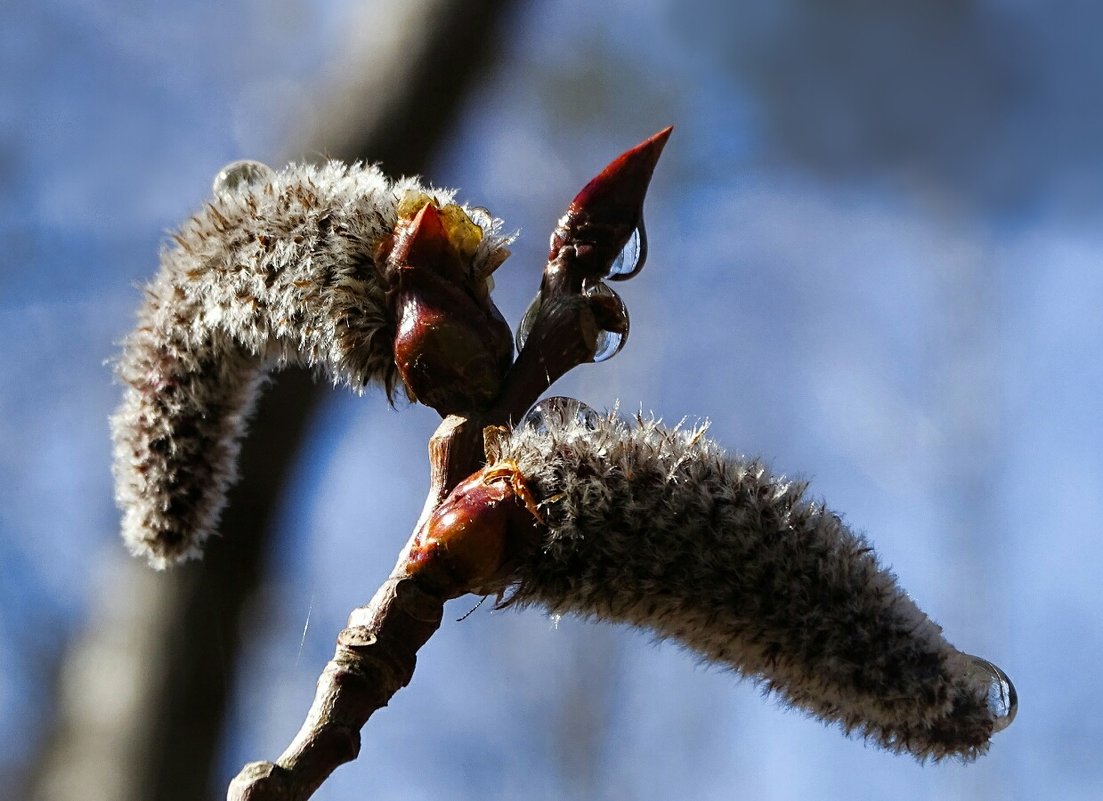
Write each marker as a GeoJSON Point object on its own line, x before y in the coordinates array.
{"type": "Point", "coordinates": [238, 174]}
{"type": "Point", "coordinates": [480, 214]}
{"type": "Point", "coordinates": [608, 342]}
{"type": "Point", "coordinates": [1003, 701]}
{"type": "Point", "coordinates": [524, 328]}
{"type": "Point", "coordinates": [558, 409]}
{"type": "Point", "coordinates": [629, 261]}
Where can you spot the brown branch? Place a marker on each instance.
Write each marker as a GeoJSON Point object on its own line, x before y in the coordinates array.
{"type": "Point", "coordinates": [375, 657]}
{"type": "Point", "coordinates": [377, 651]}
{"type": "Point", "coordinates": [473, 528]}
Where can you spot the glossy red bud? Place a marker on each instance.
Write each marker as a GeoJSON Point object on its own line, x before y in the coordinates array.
{"type": "Point", "coordinates": [475, 536]}
{"type": "Point", "coordinates": [602, 217]}
{"type": "Point", "coordinates": [424, 245]}
{"type": "Point", "coordinates": [452, 347]}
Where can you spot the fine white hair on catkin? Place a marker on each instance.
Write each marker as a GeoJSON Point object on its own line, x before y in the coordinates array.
{"type": "Point", "coordinates": [660, 528]}
{"type": "Point", "coordinates": [275, 272]}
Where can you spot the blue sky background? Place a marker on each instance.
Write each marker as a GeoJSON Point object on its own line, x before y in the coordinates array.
{"type": "Point", "coordinates": [875, 261]}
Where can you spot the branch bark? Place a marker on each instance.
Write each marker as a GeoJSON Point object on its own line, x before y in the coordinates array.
{"type": "Point", "coordinates": [376, 655]}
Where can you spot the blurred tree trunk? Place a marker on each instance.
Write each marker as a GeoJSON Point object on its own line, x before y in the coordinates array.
{"type": "Point", "coordinates": [144, 692]}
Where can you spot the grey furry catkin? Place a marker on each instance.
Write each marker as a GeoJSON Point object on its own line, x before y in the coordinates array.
{"type": "Point", "coordinates": [659, 528]}
{"type": "Point", "coordinates": [277, 269]}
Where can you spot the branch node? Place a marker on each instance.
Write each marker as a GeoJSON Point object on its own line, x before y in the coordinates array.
{"type": "Point", "coordinates": [261, 781]}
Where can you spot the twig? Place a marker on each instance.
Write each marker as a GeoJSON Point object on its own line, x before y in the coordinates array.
{"type": "Point", "coordinates": [375, 657]}
{"type": "Point", "coordinates": [471, 532]}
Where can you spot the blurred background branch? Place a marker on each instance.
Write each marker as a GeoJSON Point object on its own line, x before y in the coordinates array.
{"type": "Point", "coordinates": [144, 691]}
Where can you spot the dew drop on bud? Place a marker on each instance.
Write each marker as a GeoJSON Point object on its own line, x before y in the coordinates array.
{"type": "Point", "coordinates": [239, 174]}
{"type": "Point", "coordinates": [630, 260]}
{"type": "Point", "coordinates": [608, 342]}
{"type": "Point", "coordinates": [480, 215]}
{"type": "Point", "coordinates": [524, 328]}
{"type": "Point", "coordinates": [560, 409]}
{"type": "Point", "coordinates": [1003, 701]}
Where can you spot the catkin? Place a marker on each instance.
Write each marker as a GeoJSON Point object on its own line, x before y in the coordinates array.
{"type": "Point", "coordinates": [272, 272]}
{"type": "Point", "coordinates": [659, 528]}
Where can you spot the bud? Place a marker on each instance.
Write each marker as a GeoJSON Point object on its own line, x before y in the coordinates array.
{"type": "Point", "coordinates": [452, 347]}
{"type": "Point", "coordinates": [606, 216]}
{"type": "Point", "coordinates": [475, 537]}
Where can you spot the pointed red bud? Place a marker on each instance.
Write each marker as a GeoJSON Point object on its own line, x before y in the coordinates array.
{"type": "Point", "coordinates": [601, 218]}
{"type": "Point", "coordinates": [617, 192]}
{"type": "Point", "coordinates": [451, 345]}
{"type": "Point", "coordinates": [424, 244]}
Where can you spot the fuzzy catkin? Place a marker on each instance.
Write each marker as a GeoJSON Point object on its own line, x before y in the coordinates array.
{"type": "Point", "coordinates": [659, 528]}
{"type": "Point", "coordinates": [270, 273]}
